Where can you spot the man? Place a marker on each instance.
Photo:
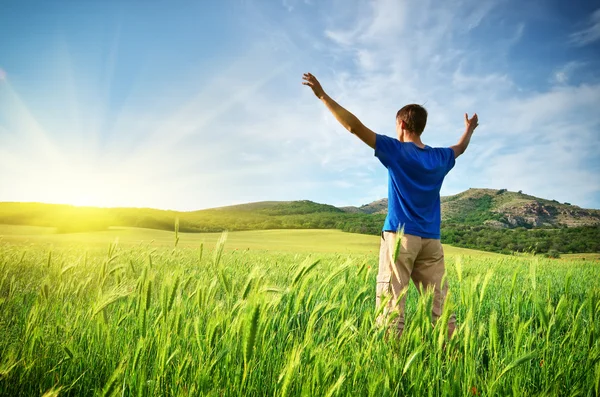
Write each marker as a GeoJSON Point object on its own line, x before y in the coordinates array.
{"type": "Point", "coordinates": [416, 172]}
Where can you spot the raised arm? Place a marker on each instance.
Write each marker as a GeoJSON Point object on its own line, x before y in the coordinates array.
{"type": "Point", "coordinates": [347, 119]}
{"type": "Point", "coordinates": [470, 125]}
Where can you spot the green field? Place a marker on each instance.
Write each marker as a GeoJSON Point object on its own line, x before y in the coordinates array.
{"type": "Point", "coordinates": [294, 240]}
{"type": "Point", "coordinates": [281, 312]}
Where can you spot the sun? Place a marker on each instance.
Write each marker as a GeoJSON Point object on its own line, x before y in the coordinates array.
{"type": "Point", "coordinates": [81, 185]}
{"type": "Point", "coordinates": [87, 192]}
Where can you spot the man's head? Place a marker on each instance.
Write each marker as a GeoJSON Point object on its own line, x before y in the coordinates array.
{"type": "Point", "coordinates": [411, 118]}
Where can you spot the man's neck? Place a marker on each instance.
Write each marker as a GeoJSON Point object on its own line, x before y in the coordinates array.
{"type": "Point", "coordinates": [414, 138]}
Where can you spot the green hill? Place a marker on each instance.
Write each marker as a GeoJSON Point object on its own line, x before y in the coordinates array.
{"type": "Point", "coordinates": [487, 219]}
{"type": "Point", "coordinates": [253, 216]}
{"type": "Point", "coordinates": [300, 207]}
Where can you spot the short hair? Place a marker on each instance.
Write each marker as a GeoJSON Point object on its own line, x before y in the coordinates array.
{"type": "Point", "coordinates": [415, 117]}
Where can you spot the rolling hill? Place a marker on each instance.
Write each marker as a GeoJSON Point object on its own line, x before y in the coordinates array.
{"type": "Point", "coordinates": [487, 219]}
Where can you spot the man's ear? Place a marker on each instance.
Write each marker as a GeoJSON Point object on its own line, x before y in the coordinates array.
{"type": "Point", "coordinates": [402, 125]}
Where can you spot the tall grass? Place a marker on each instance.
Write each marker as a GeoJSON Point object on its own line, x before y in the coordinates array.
{"type": "Point", "coordinates": [145, 321]}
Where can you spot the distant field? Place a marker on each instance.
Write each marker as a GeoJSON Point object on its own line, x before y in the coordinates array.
{"type": "Point", "coordinates": [588, 257]}
{"type": "Point", "coordinates": [296, 240]}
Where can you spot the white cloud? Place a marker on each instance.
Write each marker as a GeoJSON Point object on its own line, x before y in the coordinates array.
{"type": "Point", "coordinates": [388, 20]}
{"type": "Point", "coordinates": [291, 5]}
{"type": "Point", "coordinates": [546, 144]}
{"type": "Point", "coordinates": [563, 74]}
{"type": "Point", "coordinates": [589, 34]}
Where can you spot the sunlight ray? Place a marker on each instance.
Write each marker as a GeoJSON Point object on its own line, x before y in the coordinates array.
{"type": "Point", "coordinates": [72, 104]}
{"type": "Point", "coordinates": [185, 123]}
{"type": "Point", "coordinates": [22, 122]}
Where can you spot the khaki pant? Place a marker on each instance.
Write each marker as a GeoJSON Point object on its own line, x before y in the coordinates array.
{"type": "Point", "coordinates": [421, 259]}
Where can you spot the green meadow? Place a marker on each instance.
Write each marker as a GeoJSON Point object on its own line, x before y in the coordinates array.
{"type": "Point", "coordinates": [290, 241]}
{"type": "Point", "coordinates": [140, 312]}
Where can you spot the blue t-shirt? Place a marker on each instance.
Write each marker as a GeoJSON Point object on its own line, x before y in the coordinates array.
{"type": "Point", "coordinates": [414, 183]}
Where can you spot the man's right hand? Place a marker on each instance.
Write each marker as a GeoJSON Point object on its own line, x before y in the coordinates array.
{"type": "Point", "coordinates": [344, 117]}
{"type": "Point", "coordinates": [313, 83]}
{"type": "Point", "coordinates": [471, 123]}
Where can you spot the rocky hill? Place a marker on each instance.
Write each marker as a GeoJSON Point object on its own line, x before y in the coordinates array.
{"type": "Point", "coordinates": [501, 209]}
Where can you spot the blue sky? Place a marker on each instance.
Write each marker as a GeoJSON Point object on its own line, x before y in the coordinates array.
{"type": "Point", "coordinates": [188, 105]}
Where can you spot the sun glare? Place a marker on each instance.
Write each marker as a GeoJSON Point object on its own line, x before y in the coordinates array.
{"type": "Point", "coordinates": [75, 171]}
{"type": "Point", "coordinates": [81, 186]}
{"type": "Point", "coordinates": [82, 191]}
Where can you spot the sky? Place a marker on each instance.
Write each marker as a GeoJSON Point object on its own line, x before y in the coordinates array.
{"type": "Point", "coordinates": [196, 104]}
